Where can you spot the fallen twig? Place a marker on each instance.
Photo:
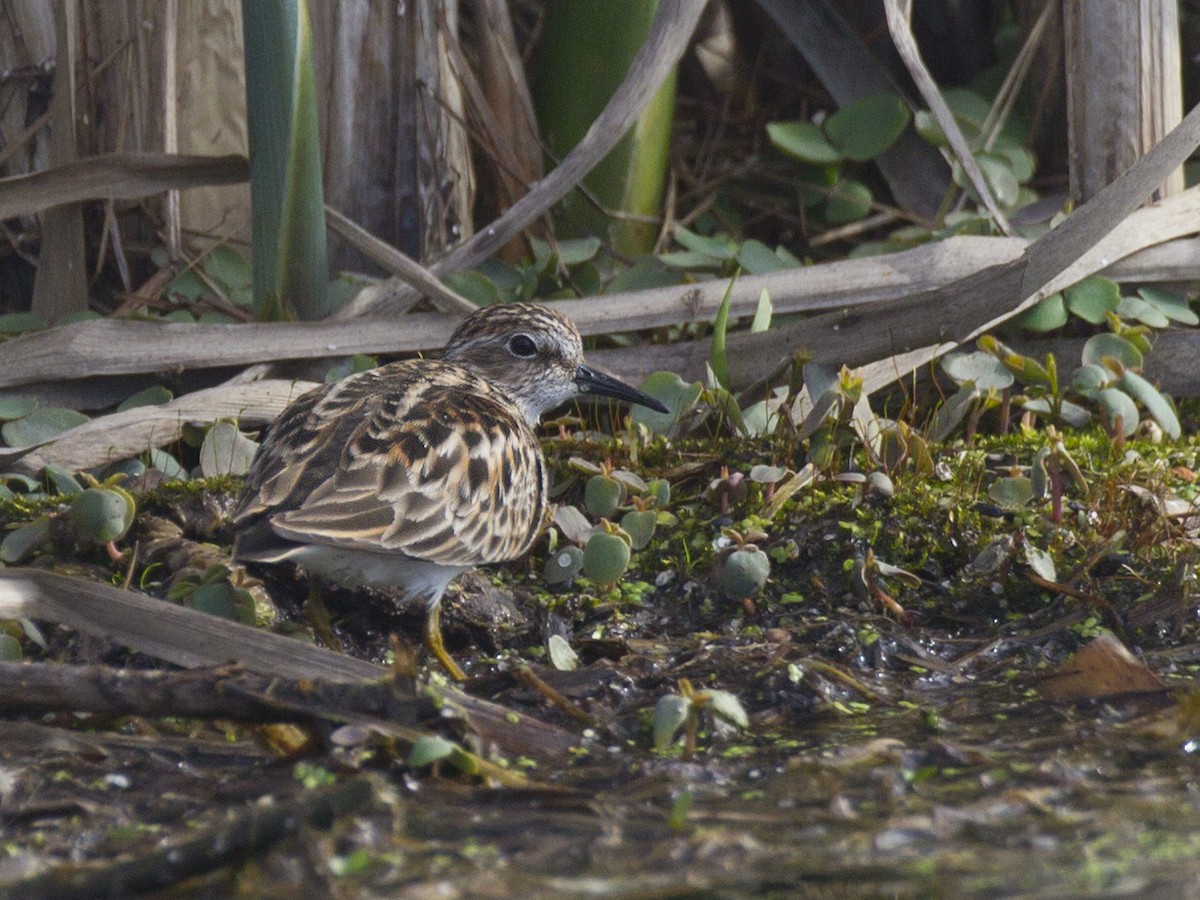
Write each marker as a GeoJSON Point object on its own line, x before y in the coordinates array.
{"type": "Point", "coordinates": [246, 834]}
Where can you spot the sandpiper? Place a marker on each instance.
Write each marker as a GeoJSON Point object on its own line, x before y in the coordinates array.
{"type": "Point", "coordinates": [407, 475]}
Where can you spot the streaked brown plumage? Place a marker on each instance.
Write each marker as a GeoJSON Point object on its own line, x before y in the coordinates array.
{"type": "Point", "coordinates": [407, 475]}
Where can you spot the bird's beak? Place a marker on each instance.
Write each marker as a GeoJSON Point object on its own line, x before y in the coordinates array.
{"type": "Point", "coordinates": [589, 381]}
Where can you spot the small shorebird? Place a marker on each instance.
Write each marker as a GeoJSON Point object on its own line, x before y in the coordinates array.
{"type": "Point", "coordinates": [407, 475]}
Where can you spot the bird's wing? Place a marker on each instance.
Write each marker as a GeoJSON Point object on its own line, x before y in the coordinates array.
{"type": "Point", "coordinates": [437, 470]}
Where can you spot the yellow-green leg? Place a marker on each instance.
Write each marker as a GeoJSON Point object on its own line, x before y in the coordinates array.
{"type": "Point", "coordinates": [318, 618]}
{"type": "Point", "coordinates": [433, 640]}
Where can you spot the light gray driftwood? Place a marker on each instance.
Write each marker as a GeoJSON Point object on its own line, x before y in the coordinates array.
{"type": "Point", "coordinates": [123, 347]}
{"type": "Point", "coordinates": [1124, 87]}
{"type": "Point", "coordinates": [125, 434]}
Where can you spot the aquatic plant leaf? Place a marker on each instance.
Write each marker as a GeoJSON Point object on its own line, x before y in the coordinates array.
{"type": "Point", "coordinates": [1160, 407]}
{"type": "Point", "coordinates": [101, 515]}
{"type": "Point", "coordinates": [562, 565]}
{"type": "Point", "coordinates": [16, 407]}
{"type": "Point", "coordinates": [1093, 297]}
{"type": "Point", "coordinates": [1041, 562]}
{"type": "Point", "coordinates": [1047, 314]}
{"type": "Point", "coordinates": [428, 749]}
{"type": "Point", "coordinates": [1172, 305]}
{"type": "Point", "coordinates": [639, 525]}
{"type": "Point", "coordinates": [1114, 347]}
{"type": "Point", "coordinates": [605, 558]}
{"type": "Point", "coordinates": [1011, 492]}
{"type": "Point", "coordinates": [728, 708]}
{"type": "Point", "coordinates": [1146, 313]}
{"type": "Point", "coordinates": [62, 480]}
{"type": "Point", "coordinates": [573, 524]}
{"type": "Point", "coordinates": [562, 656]}
{"type": "Point", "coordinates": [849, 202]}
{"type": "Point", "coordinates": [1119, 405]}
{"type": "Point", "coordinates": [672, 392]}
{"type": "Point", "coordinates": [226, 451]}
{"type": "Point", "coordinates": [156, 395]}
{"type": "Point", "coordinates": [979, 368]}
{"type": "Point", "coordinates": [866, 128]}
{"type": "Point", "coordinates": [804, 141]}
{"type": "Point", "coordinates": [43, 424]}
{"type": "Point", "coordinates": [670, 713]}
{"type": "Point", "coordinates": [20, 544]}
{"type": "Point", "coordinates": [743, 573]}
{"type": "Point", "coordinates": [602, 495]}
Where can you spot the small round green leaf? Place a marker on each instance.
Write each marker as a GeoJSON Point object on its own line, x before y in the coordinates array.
{"type": "Point", "coordinates": [867, 127]}
{"type": "Point", "coordinates": [1111, 346]}
{"type": "Point", "coordinates": [630, 481]}
{"type": "Point", "coordinates": [1146, 313]}
{"type": "Point", "coordinates": [1011, 492]}
{"type": "Point", "coordinates": [756, 258]}
{"type": "Point", "coordinates": [1093, 297]}
{"type": "Point", "coordinates": [743, 573]}
{"type": "Point", "coordinates": [428, 749]}
{"type": "Point", "coordinates": [978, 368]}
{"type": "Point", "coordinates": [171, 468]}
{"type": "Point", "coordinates": [881, 482]}
{"type": "Point", "coordinates": [1041, 562]}
{"type": "Point", "coordinates": [215, 600]}
{"type": "Point", "coordinates": [850, 201]}
{"type": "Point", "coordinates": [968, 107]}
{"type": "Point", "coordinates": [674, 393]}
{"type": "Point", "coordinates": [100, 515]}
{"type": "Point", "coordinates": [1073, 414]}
{"type": "Point", "coordinates": [659, 490]}
{"type": "Point", "coordinates": [999, 177]}
{"type": "Point", "coordinates": [18, 545]}
{"type": "Point", "coordinates": [605, 558]}
{"type": "Point", "coordinates": [639, 525]}
{"type": "Point", "coordinates": [42, 425]}
{"type": "Point", "coordinates": [642, 275]}
{"type": "Point", "coordinates": [62, 480]}
{"type": "Point", "coordinates": [475, 286]}
{"type": "Point", "coordinates": [1019, 160]}
{"type": "Point", "coordinates": [573, 524]}
{"type": "Point", "coordinates": [562, 565]}
{"type": "Point", "coordinates": [155, 395]}
{"type": "Point", "coordinates": [1046, 315]}
{"type": "Point", "coordinates": [1173, 306]}
{"type": "Point", "coordinates": [578, 250]}
{"type": "Point", "coordinates": [763, 474]}
{"type": "Point", "coordinates": [16, 407]}
{"type": "Point", "coordinates": [226, 451]}
{"type": "Point", "coordinates": [602, 495]}
{"type": "Point", "coordinates": [718, 247]}
{"type": "Point", "coordinates": [1090, 379]}
{"type": "Point", "coordinates": [804, 141]}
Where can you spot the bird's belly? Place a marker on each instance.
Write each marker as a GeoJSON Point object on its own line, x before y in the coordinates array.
{"type": "Point", "coordinates": [386, 571]}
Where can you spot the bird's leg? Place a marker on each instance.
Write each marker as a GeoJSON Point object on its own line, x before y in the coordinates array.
{"type": "Point", "coordinates": [433, 640]}
{"type": "Point", "coordinates": [317, 617]}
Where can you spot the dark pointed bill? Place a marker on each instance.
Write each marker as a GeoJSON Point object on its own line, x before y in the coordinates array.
{"type": "Point", "coordinates": [589, 381]}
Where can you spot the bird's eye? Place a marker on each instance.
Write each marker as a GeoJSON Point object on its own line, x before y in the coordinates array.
{"type": "Point", "coordinates": [522, 345]}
